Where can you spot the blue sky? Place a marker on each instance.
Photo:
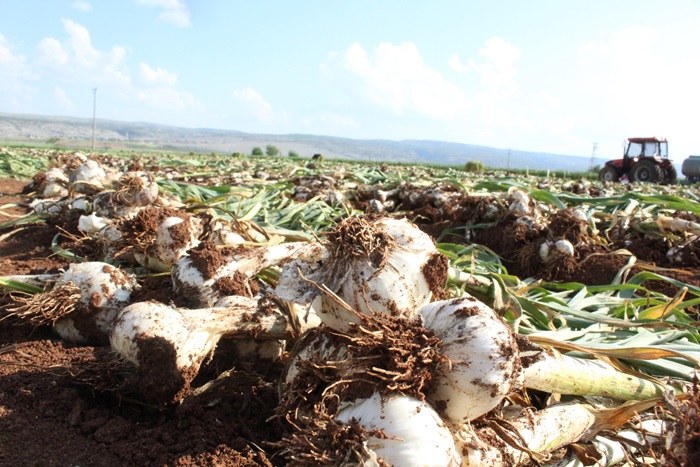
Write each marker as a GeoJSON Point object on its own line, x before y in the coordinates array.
{"type": "Point", "coordinates": [538, 75]}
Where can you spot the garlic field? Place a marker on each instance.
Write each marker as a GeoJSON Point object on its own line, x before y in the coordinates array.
{"type": "Point", "coordinates": [194, 310]}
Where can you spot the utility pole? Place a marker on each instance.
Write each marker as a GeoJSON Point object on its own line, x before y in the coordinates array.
{"type": "Point", "coordinates": [595, 149]}
{"type": "Point", "coordinates": [94, 116]}
{"type": "Point", "coordinates": [508, 163]}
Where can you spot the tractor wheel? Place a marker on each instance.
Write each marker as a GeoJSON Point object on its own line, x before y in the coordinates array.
{"type": "Point", "coordinates": [608, 174]}
{"type": "Point", "coordinates": [671, 175]}
{"type": "Point", "coordinates": [646, 171]}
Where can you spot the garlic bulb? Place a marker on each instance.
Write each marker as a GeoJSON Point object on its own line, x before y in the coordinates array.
{"type": "Point", "coordinates": [47, 208]}
{"type": "Point", "coordinates": [307, 305]}
{"type": "Point", "coordinates": [221, 234]}
{"type": "Point", "coordinates": [166, 239]}
{"type": "Point", "coordinates": [413, 433]}
{"type": "Point", "coordinates": [54, 184]}
{"type": "Point", "coordinates": [169, 344]}
{"type": "Point", "coordinates": [393, 279]}
{"type": "Point", "coordinates": [551, 249]}
{"type": "Point", "coordinates": [375, 265]}
{"type": "Point", "coordinates": [484, 358]}
{"type": "Point", "coordinates": [174, 236]}
{"type": "Point", "coordinates": [564, 247]}
{"type": "Point", "coordinates": [528, 222]}
{"type": "Point", "coordinates": [314, 348]}
{"type": "Point", "coordinates": [580, 214]}
{"type": "Point", "coordinates": [109, 240]}
{"type": "Point", "coordinates": [80, 203]}
{"type": "Point", "coordinates": [104, 204]}
{"type": "Point", "coordinates": [88, 177]}
{"type": "Point", "coordinates": [136, 189]}
{"type": "Point", "coordinates": [544, 250]}
{"type": "Point", "coordinates": [519, 202]}
{"type": "Point", "coordinates": [104, 290]}
{"type": "Point", "coordinates": [92, 224]}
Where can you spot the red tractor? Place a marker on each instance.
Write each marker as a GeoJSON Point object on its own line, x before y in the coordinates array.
{"type": "Point", "coordinates": [645, 160]}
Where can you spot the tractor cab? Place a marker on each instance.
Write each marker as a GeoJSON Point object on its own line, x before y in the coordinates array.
{"type": "Point", "coordinates": [647, 147]}
{"type": "Point", "coordinates": [644, 160]}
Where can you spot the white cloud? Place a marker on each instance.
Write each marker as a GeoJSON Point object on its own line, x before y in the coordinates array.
{"type": "Point", "coordinates": [63, 99]}
{"type": "Point", "coordinates": [77, 60]}
{"type": "Point", "coordinates": [165, 98]}
{"type": "Point", "coordinates": [252, 102]}
{"type": "Point", "coordinates": [174, 12]}
{"type": "Point", "coordinates": [496, 68]}
{"type": "Point", "coordinates": [157, 76]}
{"type": "Point", "coordinates": [159, 91]}
{"type": "Point", "coordinates": [12, 65]}
{"type": "Point", "coordinates": [396, 78]}
{"type": "Point", "coordinates": [50, 51]}
{"type": "Point", "coordinates": [81, 5]}
{"type": "Point", "coordinates": [15, 73]}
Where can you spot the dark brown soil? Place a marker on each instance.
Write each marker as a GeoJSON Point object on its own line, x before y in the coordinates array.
{"type": "Point", "coordinates": [51, 413]}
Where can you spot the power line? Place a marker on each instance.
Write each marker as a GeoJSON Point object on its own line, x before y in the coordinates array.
{"type": "Point", "coordinates": [94, 116]}
{"type": "Point", "coordinates": [593, 154]}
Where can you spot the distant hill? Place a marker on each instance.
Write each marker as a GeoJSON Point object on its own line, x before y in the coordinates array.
{"type": "Point", "coordinates": [70, 131]}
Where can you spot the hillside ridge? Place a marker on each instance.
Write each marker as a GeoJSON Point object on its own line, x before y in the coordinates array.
{"type": "Point", "coordinates": [114, 134]}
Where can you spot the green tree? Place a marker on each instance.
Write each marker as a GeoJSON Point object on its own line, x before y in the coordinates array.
{"type": "Point", "coordinates": [257, 151]}
{"type": "Point", "coordinates": [293, 154]}
{"type": "Point", "coordinates": [272, 150]}
{"type": "Point", "coordinates": [474, 166]}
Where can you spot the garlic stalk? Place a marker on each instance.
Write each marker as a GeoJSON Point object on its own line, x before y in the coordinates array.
{"type": "Point", "coordinates": [458, 276]}
{"type": "Point", "coordinates": [32, 280]}
{"type": "Point", "coordinates": [683, 226]}
{"type": "Point", "coordinates": [210, 273]}
{"type": "Point", "coordinates": [536, 433]}
{"type": "Point", "coordinates": [402, 431]}
{"type": "Point", "coordinates": [168, 345]}
{"type": "Point", "coordinates": [483, 358]}
{"type": "Point", "coordinates": [563, 374]}
{"type": "Point", "coordinates": [524, 435]}
{"type": "Point", "coordinates": [612, 451]}
{"type": "Point", "coordinates": [266, 348]}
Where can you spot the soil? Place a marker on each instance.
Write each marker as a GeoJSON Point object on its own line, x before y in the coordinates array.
{"type": "Point", "coordinates": [51, 413]}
